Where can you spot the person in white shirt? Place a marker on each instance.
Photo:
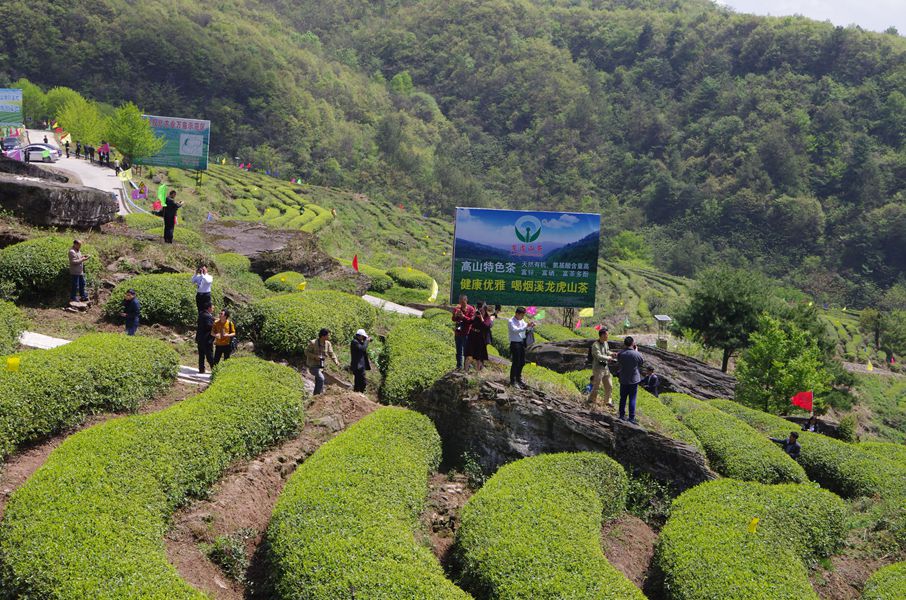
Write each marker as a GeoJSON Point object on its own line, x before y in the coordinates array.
{"type": "Point", "coordinates": [518, 329]}
{"type": "Point", "coordinates": [203, 282]}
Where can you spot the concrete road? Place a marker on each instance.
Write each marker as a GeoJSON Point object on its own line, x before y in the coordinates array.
{"type": "Point", "coordinates": [90, 175]}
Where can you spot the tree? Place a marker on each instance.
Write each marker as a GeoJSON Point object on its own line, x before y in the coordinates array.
{"type": "Point", "coordinates": [131, 134]}
{"type": "Point", "coordinates": [83, 120]}
{"type": "Point", "coordinates": [32, 101]}
{"type": "Point", "coordinates": [57, 98]}
{"type": "Point", "coordinates": [872, 323]}
{"type": "Point", "coordinates": [893, 336]}
{"type": "Point", "coordinates": [724, 308]}
{"type": "Point", "coordinates": [782, 360]}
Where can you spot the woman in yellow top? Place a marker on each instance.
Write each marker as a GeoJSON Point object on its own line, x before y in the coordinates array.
{"type": "Point", "coordinates": [224, 332]}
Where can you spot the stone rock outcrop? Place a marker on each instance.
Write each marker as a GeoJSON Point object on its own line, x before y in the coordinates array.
{"type": "Point", "coordinates": [499, 424]}
{"type": "Point", "coordinates": [53, 204]}
{"type": "Point", "coordinates": [15, 167]}
{"type": "Point", "coordinates": [677, 373]}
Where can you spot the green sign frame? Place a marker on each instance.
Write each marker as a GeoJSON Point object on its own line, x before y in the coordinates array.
{"type": "Point", "coordinates": [187, 143]}
{"type": "Point", "coordinates": [11, 106]}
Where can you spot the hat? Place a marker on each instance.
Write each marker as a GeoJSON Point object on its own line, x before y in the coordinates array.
{"type": "Point", "coordinates": [361, 332]}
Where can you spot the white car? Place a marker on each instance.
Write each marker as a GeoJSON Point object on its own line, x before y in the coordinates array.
{"type": "Point", "coordinates": [36, 152]}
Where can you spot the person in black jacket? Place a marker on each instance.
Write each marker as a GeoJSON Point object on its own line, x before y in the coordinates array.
{"type": "Point", "coordinates": [131, 312]}
{"type": "Point", "coordinates": [203, 337]}
{"type": "Point", "coordinates": [790, 445]}
{"type": "Point", "coordinates": [169, 214]}
{"type": "Point", "coordinates": [359, 363]}
{"type": "Point", "coordinates": [812, 425]}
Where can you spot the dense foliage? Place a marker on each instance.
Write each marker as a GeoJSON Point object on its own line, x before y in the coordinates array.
{"type": "Point", "coordinates": [55, 389]}
{"type": "Point", "coordinates": [12, 324]}
{"type": "Point", "coordinates": [166, 298]}
{"type": "Point", "coordinates": [709, 550]}
{"type": "Point", "coordinates": [232, 263]}
{"type": "Point", "coordinates": [417, 352]}
{"type": "Point", "coordinates": [347, 517]}
{"type": "Point", "coordinates": [39, 268]}
{"type": "Point", "coordinates": [534, 530]}
{"type": "Point", "coordinates": [410, 278]}
{"type": "Point", "coordinates": [90, 522]}
{"type": "Point", "coordinates": [287, 281]}
{"type": "Point", "coordinates": [886, 583]}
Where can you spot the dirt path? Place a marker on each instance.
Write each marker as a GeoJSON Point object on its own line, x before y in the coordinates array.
{"type": "Point", "coordinates": [628, 544]}
{"type": "Point", "coordinates": [862, 368]}
{"type": "Point", "coordinates": [447, 493]}
{"type": "Point", "coordinates": [239, 506]}
{"type": "Point", "coordinates": [20, 465]}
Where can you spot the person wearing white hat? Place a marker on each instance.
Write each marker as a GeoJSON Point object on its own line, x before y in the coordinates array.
{"type": "Point", "coordinates": [359, 362]}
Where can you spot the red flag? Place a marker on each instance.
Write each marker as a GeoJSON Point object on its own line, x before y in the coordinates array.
{"type": "Point", "coordinates": [579, 324]}
{"type": "Point", "coordinates": [803, 400]}
{"type": "Point", "coordinates": [355, 263]}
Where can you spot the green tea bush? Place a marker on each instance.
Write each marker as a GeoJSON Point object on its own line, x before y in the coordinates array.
{"type": "Point", "coordinates": [380, 281]}
{"type": "Point", "coordinates": [734, 449]}
{"type": "Point", "coordinates": [706, 549]}
{"type": "Point", "coordinates": [533, 530]}
{"type": "Point", "coordinates": [184, 236]}
{"type": "Point", "coordinates": [550, 380]}
{"type": "Point", "coordinates": [346, 519]}
{"type": "Point", "coordinates": [90, 522]}
{"type": "Point", "coordinates": [417, 352]}
{"type": "Point", "coordinates": [555, 333]}
{"type": "Point", "coordinates": [839, 466]}
{"type": "Point", "coordinates": [12, 324]}
{"type": "Point", "coordinates": [232, 263]}
{"type": "Point", "coordinates": [500, 336]}
{"type": "Point", "coordinates": [286, 323]}
{"type": "Point", "coordinates": [848, 427]}
{"type": "Point", "coordinates": [888, 583]}
{"type": "Point", "coordinates": [166, 298]}
{"type": "Point", "coordinates": [580, 379]}
{"type": "Point", "coordinates": [55, 389]}
{"type": "Point", "coordinates": [287, 281]}
{"type": "Point", "coordinates": [322, 218]}
{"type": "Point", "coordinates": [142, 221]}
{"type": "Point", "coordinates": [40, 267]}
{"type": "Point", "coordinates": [653, 414]}
{"type": "Point", "coordinates": [411, 278]}
{"type": "Point", "coordinates": [402, 295]}
{"type": "Point", "coordinates": [886, 450]}
{"type": "Point", "coordinates": [440, 314]}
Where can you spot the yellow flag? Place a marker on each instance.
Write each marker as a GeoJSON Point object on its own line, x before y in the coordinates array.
{"type": "Point", "coordinates": [223, 161]}
{"type": "Point", "coordinates": [587, 312]}
{"type": "Point", "coordinates": [12, 364]}
{"type": "Point", "coordinates": [283, 280]}
{"type": "Point", "coordinates": [434, 290]}
{"type": "Point", "coordinates": [869, 367]}
{"type": "Point", "coordinates": [753, 525]}
{"type": "Point", "coordinates": [301, 286]}
{"type": "Point", "coordinates": [810, 304]}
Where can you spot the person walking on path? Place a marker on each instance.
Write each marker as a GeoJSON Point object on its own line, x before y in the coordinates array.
{"type": "Point", "coordinates": [78, 149]}
{"type": "Point", "coordinates": [518, 329]}
{"type": "Point", "coordinates": [131, 312]}
{"type": "Point", "coordinates": [224, 331]}
{"type": "Point", "coordinates": [91, 154]}
{"type": "Point", "coordinates": [630, 361]}
{"type": "Point", "coordinates": [601, 356]}
{"type": "Point", "coordinates": [169, 214]}
{"type": "Point", "coordinates": [204, 337]}
{"type": "Point", "coordinates": [66, 145]}
{"type": "Point", "coordinates": [45, 139]}
{"type": "Point", "coordinates": [479, 334]}
{"type": "Point", "coordinates": [203, 282]}
{"type": "Point", "coordinates": [77, 272]}
{"type": "Point", "coordinates": [316, 355]}
{"type": "Point", "coordinates": [463, 315]}
{"type": "Point", "coordinates": [359, 363]}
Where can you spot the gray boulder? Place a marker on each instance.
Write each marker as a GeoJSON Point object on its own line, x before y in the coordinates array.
{"type": "Point", "coordinates": [51, 203]}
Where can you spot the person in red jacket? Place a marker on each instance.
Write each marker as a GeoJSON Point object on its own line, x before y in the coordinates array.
{"type": "Point", "coordinates": [463, 315]}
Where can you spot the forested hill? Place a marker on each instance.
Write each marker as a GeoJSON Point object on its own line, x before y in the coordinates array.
{"type": "Point", "coordinates": [765, 141]}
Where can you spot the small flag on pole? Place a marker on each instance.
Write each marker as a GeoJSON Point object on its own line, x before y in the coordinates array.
{"type": "Point", "coordinates": [355, 263]}
{"type": "Point", "coordinates": [12, 364]}
{"type": "Point", "coordinates": [869, 367]}
{"type": "Point", "coordinates": [803, 400]}
{"type": "Point", "coordinates": [579, 324]}
{"type": "Point", "coordinates": [753, 525]}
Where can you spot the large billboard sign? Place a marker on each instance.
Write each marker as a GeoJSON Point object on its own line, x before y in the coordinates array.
{"type": "Point", "coordinates": [10, 106]}
{"type": "Point", "coordinates": [186, 143]}
{"type": "Point", "coordinates": [525, 257]}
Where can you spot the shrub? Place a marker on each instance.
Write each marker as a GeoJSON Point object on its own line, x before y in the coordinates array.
{"type": "Point", "coordinates": [166, 298]}
{"type": "Point", "coordinates": [887, 583]}
{"type": "Point", "coordinates": [411, 278]}
{"type": "Point", "coordinates": [54, 389]}
{"type": "Point", "coordinates": [653, 414]}
{"type": "Point", "coordinates": [183, 236]}
{"type": "Point", "coordinates": [555, 333]}
{"type": "Point", "coordinates": [440, 314]}
{"type": "Point", "coordinates": [40, 267]}
{"type": "Point", "coordinates": [89, 523]}
{"type": "Point", "coordinates": [838, 466]}
{"type": "Point", "coordinates": [12, 324]}
{"type": "Point", "coordinates": [886, 450]}
{"type": "Point", "coordinates": [322, 218]}
{"type": "Point", "coordinates": [286, 323]}
{"type": "Point", "coordinates": [417, 352]}
{"type": "Point", "coordinates": [551, 380]}
{"type": "Point", "coordinates": [143, 221]}
{"type": "Point", "coordinates": [380, 281]}
{"type": "Point", "coordinates": [287, 281]}
{"type": "Point", "coordinates": [734, 449]}
{"type": "Point", "coordinates": [534, 529]}
{"type": "Point", "coordinates": [706, 550]}
{"type": "Point", "coordinates": [847, 429]}
{"type": "Point", "coordinates": [402, 295]}
{"type": "Point", "coordinates": [346, 518]}
{"type": "Point", "coordinates": [232, 263]}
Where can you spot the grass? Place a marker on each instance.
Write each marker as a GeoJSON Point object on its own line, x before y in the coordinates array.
{"type": "Point", "coordinates": [885, 397]}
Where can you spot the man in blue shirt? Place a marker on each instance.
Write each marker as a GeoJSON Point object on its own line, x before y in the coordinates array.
{"type": "Point", "coordinates": [630, 361]}
{"type": "Point", "coordinates": [131, 312]}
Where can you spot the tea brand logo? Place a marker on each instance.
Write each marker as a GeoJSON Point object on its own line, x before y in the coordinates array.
{"type": "Point", "coordinates": [528, 229]}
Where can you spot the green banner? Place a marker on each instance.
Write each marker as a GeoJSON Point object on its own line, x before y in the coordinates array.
{"type": "Point", "coordinates": [10, 106]}
{"type": "Point", "coordinates": [186, 143]}
{"type": "Point", "coordinates": [525, 257]}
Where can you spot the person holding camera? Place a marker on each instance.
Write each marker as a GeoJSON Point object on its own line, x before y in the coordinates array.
{"type": "Point", "coordinates": [204, 338]}
{"type": "Point", "coordinates": [316, 355]}
{"type": "Point", "coordinates": [359, 363]}
{"type": "Point", "coordinates": [479, 337]}
{"type": "Point", "coordinates": [518, 329]}
{"type": "Point", "coordinates": [463, 315]}
{"type": "Point", "coordinates": [601, 358]}
{"type": "Point", "coordinates": [77, 272]}
{"type": "Point", "coordinates": [203, 283]}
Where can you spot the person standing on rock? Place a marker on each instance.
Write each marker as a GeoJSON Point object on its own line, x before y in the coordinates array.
{"type": "Point", "coordinates": [359, 363]}
{"type": "Point", "coordinates": [463, 315]}
{"type": "Point", "coordinates": [518, 329]}
{"type": "Point", "coordinates": [601, 356]}
{"type": "Point", "coordinates": [630, 361]}
{"type": "Point", "coordinates": [203, 282]}
{"type": "Point", "coordinates": [477, 351]}
{"type": "Point", "coordinates": [77, 272]}
{"type": "Point", "coordinates": [204, 337]}
{"type": "Point", "coordinates": [316, 355]}
{"type": "Point", "coordinates": [131, 312]}
{"type": "Point", "coordinates": [224, 335]}
{"type": "Point", "coordinates": [169, 214]}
